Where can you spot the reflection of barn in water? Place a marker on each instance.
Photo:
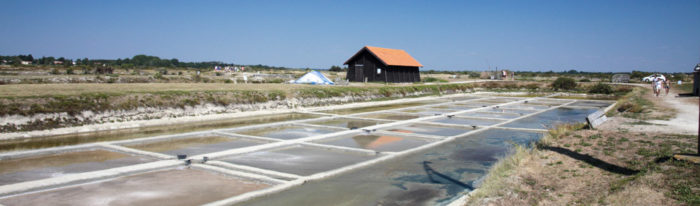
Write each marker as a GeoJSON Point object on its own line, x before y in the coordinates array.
{"type": "Point", "coordinates": [375, 141]}
{"type": "Point", "coordinates": [383, 65]}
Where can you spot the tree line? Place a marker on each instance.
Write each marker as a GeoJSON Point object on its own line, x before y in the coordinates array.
{"type": "Point", "coordinates": [137, 61]}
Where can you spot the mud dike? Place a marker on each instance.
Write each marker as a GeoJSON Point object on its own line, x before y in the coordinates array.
{"type": "Point", "coordinates": [430, 153]}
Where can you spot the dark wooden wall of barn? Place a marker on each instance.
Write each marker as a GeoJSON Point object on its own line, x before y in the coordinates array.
{"type": "Point", "coordinates": [370, 64]}
{"type": "Point", "coordinates": [403, 74]}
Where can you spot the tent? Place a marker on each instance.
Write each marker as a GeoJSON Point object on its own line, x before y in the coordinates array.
{"type": "Point", "coordinates": [313, 77]}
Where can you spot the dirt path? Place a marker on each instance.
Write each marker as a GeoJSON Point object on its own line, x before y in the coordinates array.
{"type": "Point", "coordinates": [684, 121]}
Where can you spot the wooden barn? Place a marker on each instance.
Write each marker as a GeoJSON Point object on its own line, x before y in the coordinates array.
{"type": "Point", "coordinates": [375, 64]}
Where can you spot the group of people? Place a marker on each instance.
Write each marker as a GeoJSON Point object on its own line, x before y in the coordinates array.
{"type": "Point", "coordinates": [658, 83]}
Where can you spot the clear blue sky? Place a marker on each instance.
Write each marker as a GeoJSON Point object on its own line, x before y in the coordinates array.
{"type": "Point", "coordinates": [442, 35]}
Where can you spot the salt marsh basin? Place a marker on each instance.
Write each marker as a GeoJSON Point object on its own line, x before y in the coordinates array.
{"type": "Point", "coordinates": [423, 153]}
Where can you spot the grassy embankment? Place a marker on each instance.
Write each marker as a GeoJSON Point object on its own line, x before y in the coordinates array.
{"type": "Point", "coordinates": [31, 99]}
{"type": "Point", "coordinates": [73, 99]}
{"type": "Point", "coordinates": [576, 166]}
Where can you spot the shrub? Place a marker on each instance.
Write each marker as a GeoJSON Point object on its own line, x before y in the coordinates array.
{"type": "Point", "coordinates": [275, 81]}
{"type": "Point", "coordinates": [433, 79]}
{"type": "Point", "coordinates": [491, 85]}
{"type": "Point", "coordinates": [532, 86]}
{"type": "Point", "coordinates": [564, 83]}
{"type": "Point", "coordinates": [218, 74]}
{"type": "Point", "coordinates": [630, 107]}
{"type": "Point", "coordinates": [196, 78]}
{"type": "Point", "coordinates": [585, 80]}
{"type": "Point", "coordinates": [601, 88]}
{"type": "Point", "coordinates": [510, 85]}
{"type": "Point", "coordinates": [621, 90]}
{"type": "Point", "coordinates": [228, 81]}
{"type": "Point", "coordinates": [69, 71]}
{"type": "Point", "coordinates": [54, 71]}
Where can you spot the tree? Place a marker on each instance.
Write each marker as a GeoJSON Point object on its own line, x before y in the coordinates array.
{"type": "Point", "coordinates": [564, 83]}
{"type": "Point", "coordinates": [67, 63]}
{"type": "Point", "coordinates": [335, 69]}
{"type": "Point", "coordinates": [17, 61]}
{"type": "Point", "coordinates": [174, 62]}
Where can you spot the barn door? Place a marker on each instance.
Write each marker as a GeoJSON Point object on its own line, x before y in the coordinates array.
{"type": "Point", "coordinates": [359, 73]}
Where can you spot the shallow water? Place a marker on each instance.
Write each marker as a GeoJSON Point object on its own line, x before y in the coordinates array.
{"type": "Point", "coordinates": [376, 141]}
{"type": "Point", "coordinates": [300, 160]}
{"type": "Point", "coordinates": [168, 187]}
{"type": "Point", "coordinates": [527, 106]}
{"type": "Point", "coordinates": [56, 165]}
{"type": "Point", "coordinates": [391, 116]}
{"type": "Point", "coordinates": [288, 131]}
{"type": "Point", "coordinates": [432, 177]}
{"type": "Point", "coordinates": [462, 98]}
{"type": "Point", "coordinates": [517, 111]}
{"type": "Point", "coordinates": [467, 121]}
{"type": "Point", "coordinates": [428, 111]}
{"type": "Point", "coordinates": [429, 129]}
{"type": "Point", "coordinates": [122, 134]}
{"type": "Point", "coordinates": [376, 108]}
{"type": "Point", "coordinates": [501, 115]}
{"type": "Point", "coordinates": [194, 145]}
{"type": "Point", "coordinates": [550, 119]}
{"type": "Point", "coordinates": [591, 104]}
{"type": "Point", "coordinates": [347, 123]}
{"type": "Point", "coordinates": [471, 105]}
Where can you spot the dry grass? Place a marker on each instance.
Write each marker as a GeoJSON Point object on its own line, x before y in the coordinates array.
{"type": "Point", "coordinates": [24, 90]}
{"type": "Point", "coordinates": [587, 167]}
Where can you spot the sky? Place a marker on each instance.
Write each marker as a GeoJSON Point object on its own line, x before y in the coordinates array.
{"type": "Point", "coordinates": [595, 36]}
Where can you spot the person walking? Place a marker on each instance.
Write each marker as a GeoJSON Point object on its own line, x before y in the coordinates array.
{"type": "Point", "coordinates": [658, 84]}
{"type": "Point", "coordinates": [667, 86]}
{"type": "Point", "coordinates": [654, 82]}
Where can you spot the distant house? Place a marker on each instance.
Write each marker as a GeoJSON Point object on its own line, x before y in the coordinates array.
{"type": "Point", "coordinates": [621, 78]}
{"type": "Point", "coordinates": [57, 62]}
{"type": "Point", "coordinates": [26, 62]}
{"type": "Point", "coordinates": [382, 64]}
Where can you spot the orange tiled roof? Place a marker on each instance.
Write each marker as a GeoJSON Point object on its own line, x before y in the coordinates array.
{"type": "Point", "coordinates": [391, 57]}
